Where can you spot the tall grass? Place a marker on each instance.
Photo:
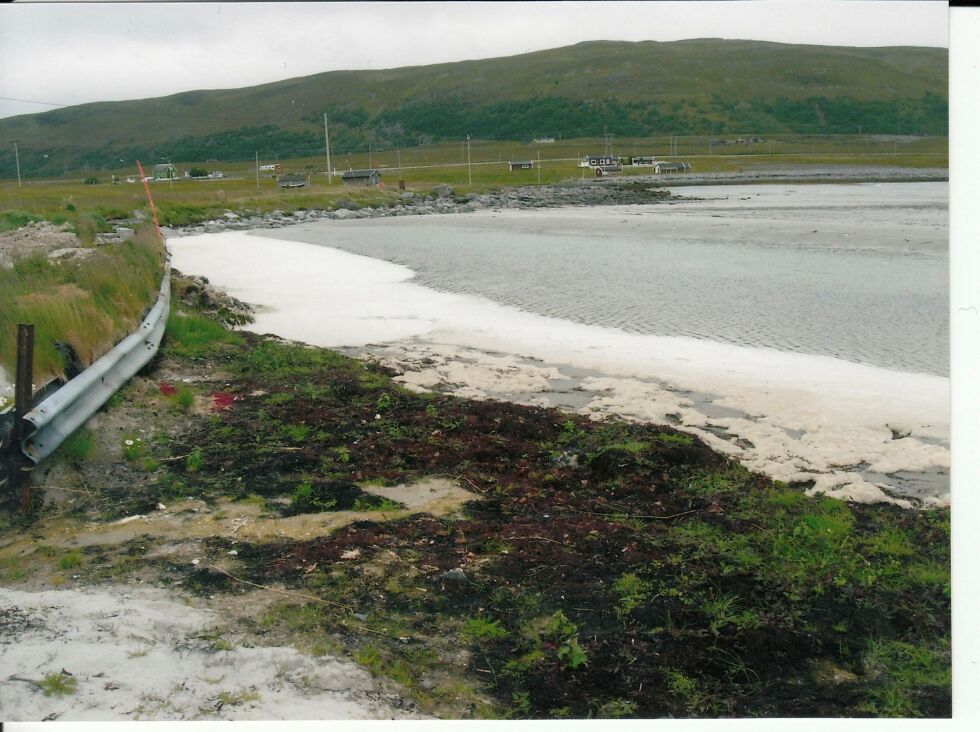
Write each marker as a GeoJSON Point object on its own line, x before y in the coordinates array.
{"type": "Point", "coordinates": [89, 305]}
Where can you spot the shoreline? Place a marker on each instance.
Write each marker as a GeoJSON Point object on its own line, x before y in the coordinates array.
{"type": "Point", "coordinates": [753, 409]}
{"type": "Point", "coordinates": [585, 192]}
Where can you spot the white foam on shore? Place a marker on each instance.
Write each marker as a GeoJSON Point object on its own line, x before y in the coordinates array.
{"type": "Point", "coordinates": [847, 413]}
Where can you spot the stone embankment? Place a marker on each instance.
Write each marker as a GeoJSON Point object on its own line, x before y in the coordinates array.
{"type": "Point", "coordinates": [443, 201]}
{"type": "Point", "coordinates": [642, 189]}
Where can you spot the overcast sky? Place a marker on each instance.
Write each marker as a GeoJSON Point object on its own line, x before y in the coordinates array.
{"type": "Point", "coordinates": [70, 53]}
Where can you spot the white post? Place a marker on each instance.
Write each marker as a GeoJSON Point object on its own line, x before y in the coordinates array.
{"type": "Point", "coordinates": [469, 161]}
{"type": "Point", "coordinates": [256, 170]}
{"type": "Point", "coordinates": [17, 158]}
{"type": "Point", "coordinates": [399, 163]}
{"type": "Point", "coordinates": [539, 167]}
{"type": "Point", "coordinates": [326, 141]}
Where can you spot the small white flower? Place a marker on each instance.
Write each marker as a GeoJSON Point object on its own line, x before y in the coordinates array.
{"type": "Point", "coordinates": [128, 443]}
{"type": "Point", "coordinates": [233, 553]}
{"type": "Point", "coordinates": [195, 561]}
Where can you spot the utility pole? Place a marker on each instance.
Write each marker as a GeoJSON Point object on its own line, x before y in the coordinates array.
{"type": "Point", "coordinates": [17, 158]}
{"type": "Point", "coordinates": [326, 141]}
{"type": "Point", "coordinates": [370, 155]}
{"type": "Point", "coordinates": [399, 163]}
{"type": "Point", "coordinates": [256, 170]}
{"type": "Point", "coordinates": [539, 167]}
{"type": "Point", "coordinates": [469, 160]}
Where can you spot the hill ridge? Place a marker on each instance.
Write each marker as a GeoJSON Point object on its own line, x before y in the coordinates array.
{"type": "Point", "coordinates": [634, 88]}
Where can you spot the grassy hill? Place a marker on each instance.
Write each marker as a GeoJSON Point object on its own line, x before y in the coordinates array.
{"type": "Point", "coordinates": [684, 87]}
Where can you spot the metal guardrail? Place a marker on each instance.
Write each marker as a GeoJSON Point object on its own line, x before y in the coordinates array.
{"type": "Point", "coordinates": [54, 419]}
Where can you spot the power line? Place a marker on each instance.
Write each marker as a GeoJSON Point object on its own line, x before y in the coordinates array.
{"type": "Point", "coordinates": [34, 101]}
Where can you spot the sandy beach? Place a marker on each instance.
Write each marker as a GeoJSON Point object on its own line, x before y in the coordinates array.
{"type": "Point", "coordinates": [854, 431]}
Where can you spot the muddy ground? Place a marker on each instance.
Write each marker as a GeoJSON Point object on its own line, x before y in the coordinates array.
{"type": "Point", "coordinates": [480, 558]}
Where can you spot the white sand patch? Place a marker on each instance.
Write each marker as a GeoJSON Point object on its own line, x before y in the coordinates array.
{"type": "Point", "coordinates": [805, 416]}
{"type": "Point", "coordinates": [139, 655]}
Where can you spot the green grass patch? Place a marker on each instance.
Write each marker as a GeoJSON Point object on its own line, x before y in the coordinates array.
{"type": "Point", "coordinates": [79, 446]}
{"type": "Point", "coordinates": [900, 672]}
{"type": "Point", "coordinates": [192, 336]}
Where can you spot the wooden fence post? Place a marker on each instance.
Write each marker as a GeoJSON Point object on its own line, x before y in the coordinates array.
{"type": "Point", "coordinates": [17, 476]}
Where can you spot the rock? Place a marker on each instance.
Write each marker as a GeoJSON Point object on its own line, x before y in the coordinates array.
{"type": "Point", "coordinates": [343, 213]}
{"type": "Point", "coordinates": [455, 575]}
{"type": "Point", "coordinates": [69, 253]}
{"type": "Point", "coordinates": [442, 191]}
{"type": "Point", "coordinates": [231, 216]}
{"type": "Point", "coordinates": [125, 232]}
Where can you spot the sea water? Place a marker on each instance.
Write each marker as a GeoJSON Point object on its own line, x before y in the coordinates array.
{"type": "Point", "coordinates": [856, 272]}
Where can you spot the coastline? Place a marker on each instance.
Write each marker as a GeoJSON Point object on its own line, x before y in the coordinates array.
{"type": "Point", "coordinates": [749, 410]}
{"type": "Point", "coordinates": [629, 189]}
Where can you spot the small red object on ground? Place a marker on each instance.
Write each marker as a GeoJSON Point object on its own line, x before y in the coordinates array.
{"type": "Point", "coordinates": [167, 389]}
{"type": "Point", "coordinates": [221, 400]}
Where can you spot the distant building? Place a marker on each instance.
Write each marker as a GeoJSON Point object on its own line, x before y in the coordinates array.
{"type": "Point", "coordinates": [291, 180]}
{"type": "Point", "coordinates": [520, 164]}
{"type": "Point", "coordinates": [164, 171]}
{"type": "Point", "coordinates": [271, 167]}
{"type": "Point", "coordinates": [604, 170]}
{"type": "Point", "coordinates": [642, 160]}
{"type": "Point", "coordinates": [595, 161]}
{"type": "Point", "coordinates": [369, 177]}
{"type": "Point", "coordinates": [664, 166]}
{"type": "Point", "coordinates": [544, 140]}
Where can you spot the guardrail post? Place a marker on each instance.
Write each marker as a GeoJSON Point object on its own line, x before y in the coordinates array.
{"type": "Point", "coordinates": [17, 472]}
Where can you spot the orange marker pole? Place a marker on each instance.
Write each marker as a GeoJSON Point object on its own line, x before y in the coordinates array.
{"type": "Point", "coordinates": [153, 209]}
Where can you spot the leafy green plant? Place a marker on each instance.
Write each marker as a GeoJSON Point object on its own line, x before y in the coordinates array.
{"type": "Point", "coordinates": [183, 398]}
{"type": "Point", "coordinates": [569, 651]}
{"type": "Point", "coordinates": [307, 498]}
{"type": "Point", "coordinates": [478, 629]}
{"type": "Point", "coordinates": [297, 432]}
{"type": "Point", "coordinates": [58, 684]}
{"type": "Point", "coordinates": [686, 689]}
{"type": "Point", "coordinates": [195, 460]}
{"type": "Point", "coordinates": [632, 592]}
{"type": "Point", "coordinates": [616, 709]}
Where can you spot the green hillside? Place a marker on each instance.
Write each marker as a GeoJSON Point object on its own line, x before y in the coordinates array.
{"type": "Point", "coordinates": [704, 86]}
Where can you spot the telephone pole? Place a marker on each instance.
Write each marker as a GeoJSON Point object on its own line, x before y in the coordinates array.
{"type": "Point", "coordinates": [326, 141]}
{"type": "Point", "coordinates": [256, 170]}
{"type": "Point", "coordinates": [469, 161]}
{"type": "Point", "coordinates": [17, 158]}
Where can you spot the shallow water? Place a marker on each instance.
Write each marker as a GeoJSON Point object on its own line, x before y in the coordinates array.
{"type": "Point", "coordinates": [856, 272]}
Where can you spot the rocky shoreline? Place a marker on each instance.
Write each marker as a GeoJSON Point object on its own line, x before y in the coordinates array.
{"type": "Point", "coordinates": [631, 190]}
